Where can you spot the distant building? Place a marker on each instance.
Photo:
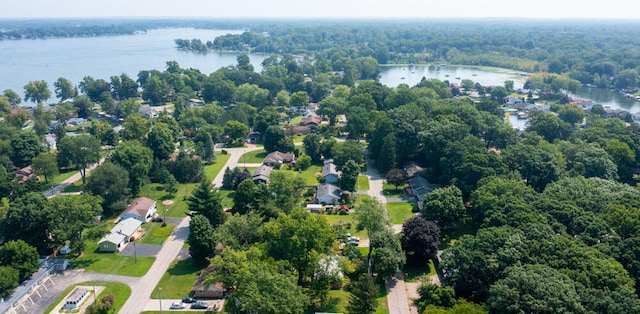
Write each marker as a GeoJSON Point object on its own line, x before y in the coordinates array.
{"type": "Point", "coordinates": [329, 172]}
{"type": "Point", "coordinates": [75, 299]}
{"type": "Point", "coordinates": [216, 290]}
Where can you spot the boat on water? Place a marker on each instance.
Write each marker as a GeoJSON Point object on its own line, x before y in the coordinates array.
{"type": "Point", "coordinates": [457, 77]}
{"type": "Point", "coordinates": [446, 75]}
{"type": "Point", "coordinates": [474, 74]}
{"type": "Point", "coordinates": [402, 78]}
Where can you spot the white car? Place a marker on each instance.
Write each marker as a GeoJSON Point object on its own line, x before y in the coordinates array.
{"type": "Point", "coordinates": [177, 306]}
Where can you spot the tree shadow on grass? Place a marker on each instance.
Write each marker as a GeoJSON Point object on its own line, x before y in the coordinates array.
{"type": "Point", "coordinates": [184, 267]}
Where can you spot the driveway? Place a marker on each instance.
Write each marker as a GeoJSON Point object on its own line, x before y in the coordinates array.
{"type": "Point", "coordinates": [141, 250]}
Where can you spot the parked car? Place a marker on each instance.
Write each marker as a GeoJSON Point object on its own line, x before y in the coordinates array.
{"type": "Point", "coordinates": [177, 306]}
{"type": "Point", "coordinates": [197, 305]}
{"type": "Point", "coordinates": [188, 300]}
{"type": "Point", "coordinates": [354, 243]}
{"type": "Point", "coordinates": [157, 219]}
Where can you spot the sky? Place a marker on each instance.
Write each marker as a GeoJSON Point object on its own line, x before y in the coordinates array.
{"type": "Point", "coordinates": [556, 9]}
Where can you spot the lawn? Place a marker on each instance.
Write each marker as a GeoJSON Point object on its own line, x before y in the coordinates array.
{"type": "Point", "coordinates": [252, 157]}
{"type": "Point", "coordinates": [413, 273]}
{"type": "Point", "coordinates": [390, 191]}
{"type": "Point", "coordinates": [179, 207]}
{"type": "Point", "coordinates": [156, 233]}
{"type": "Point", "coordinates": [337, 301]}
{"type": "Point", "coordinates": [178, 280]}
{"type": "Point", "coordinates": [62, 176]}
{"type": "Point", "coordinates": [120, 291]}
{"type": "Point", "coordinates": [310, 175]}
{"type": "Point", "coordinates": [211, 171]}
{"type": "Point", "coordinates": [363, 183]}
{"type": "Point", "coordinates": [399, 212]}
{"type": "Point", "coordinates": [227, 197]}
{"type": "Point", "coordinates": [332, 219]}
{"type": "Point", "coordinates": [111, 263]}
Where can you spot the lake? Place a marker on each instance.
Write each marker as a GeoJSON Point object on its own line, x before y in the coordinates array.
{"type": "Point", "coordinates": [22, 61]}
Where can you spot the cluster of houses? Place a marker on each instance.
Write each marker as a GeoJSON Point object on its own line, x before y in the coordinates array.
{"type": "Point", "coordinates": [128, 227]}
{"type": "Point", "coordinates": [326, 193]}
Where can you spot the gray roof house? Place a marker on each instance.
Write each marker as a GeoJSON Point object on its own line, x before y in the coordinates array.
{"type": "Point", "coordinates": [329, 172]}
{"type": "Point", "coordinates": [141, 209]}
{"type": "Point", "coordinates": [328, 194]}
{"type": "Point", "coordinates": [112, 242]}
{"type": "Point", "coordinates": [261, 174]}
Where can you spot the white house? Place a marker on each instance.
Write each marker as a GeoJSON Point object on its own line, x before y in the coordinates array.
{"type": "Point", "coordinates": [328, 194]}
{"type": "Point", "coordinates": [119, 235]}
{"type": "Point", "coordinates": [112, 242]}
{"type": "Point", "coordinates": [141, 209]}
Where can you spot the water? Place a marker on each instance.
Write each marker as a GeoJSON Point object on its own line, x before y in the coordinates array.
{"type": "Point", "coordinates": [412, 74]}
{"type": "Point", "coordinates": [22, 61]}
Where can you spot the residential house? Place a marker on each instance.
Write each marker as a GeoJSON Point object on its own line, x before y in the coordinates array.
{"type": "Point", "coordinates": [329, 172]}
{"type": "Point", "coordinates": [216, 290]}
{"type": "Point", "coordinates": [312, 121]}
{"type": "Point", "coordinates": [147, 112]}
{"type": "Point", "coordinates": [297, 130]}
{"type": "Point", "coordinates": [328, 194]}
{"type": "Point", "coordinates": [120, 235]}
{"type": "Point", "coordinates": [112, 242]}
{"type": "Point", "coordinates": [25, 173]}
{"type": "Point", "coordinates": [141, 209]}
{"type": "Point", "coordinates": [253, 137]}
{"type": "Point", "coordinates": [277, 157]}
{"type": "Point", "coordinates": [419, 188]}
{"type": "Point", "coordinates": [261, 174]}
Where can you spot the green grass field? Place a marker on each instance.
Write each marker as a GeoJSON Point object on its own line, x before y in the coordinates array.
{"type": "Point", "coordinates": [211, 171]}
{"type": "Point", "coordinates": [399, 212]}
{"type": "Point", "coordinates": [179, 207]}
{"type": "Point", "coordinates": [227, 197]}
{"type": "Point", "coordinates": [120, 291]}
{"type": "Point", "coordinates": [156, 233]}
{"type": "Point", "coordinates": [413, 273]}
{"type": "Point", "coordinates": [339, 298]}
{"type": "Point", "coordinates": [363, 183]}
{"type": "Point", "coordinates": [390, 191]}
{"type": "Point", "coordinates": [310, 175]}
{"type": "Point", "coordinates": [253, 157]}
{"type": "Point", "coordinates": [177, 282]}
{"type": "Point", "coordinates": [111, 263]}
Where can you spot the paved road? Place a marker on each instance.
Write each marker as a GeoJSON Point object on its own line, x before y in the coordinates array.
{"type": "Point", "coordinates": [234, 161]}
{"type": "Point", "coordinates": [56, 190]}
{"type": "Point", "coordinates": [396, 290]}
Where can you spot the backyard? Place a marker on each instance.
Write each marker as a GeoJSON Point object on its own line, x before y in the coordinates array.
{"type": "Point", "coordinates": [178, 280]}
{"type": "Point", "coordinates": [399, 212]}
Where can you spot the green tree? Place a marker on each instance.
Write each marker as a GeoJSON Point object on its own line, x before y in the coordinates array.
{"type": "Point", "coordinates": [534, 289]}
{"type": "Point", "coordinates": [282, 99]}
{"type": "Point", "coordinates": [209, 149]}
{"type": "Point", "coordinates": [24, 147]}
{"type": "Point", "coordinates": [331, 107]}
{"type": "Point", "coordinates": [435, 295]}
{"type": "Point", "coordinates": [236, 130]}
{"type": "Point", "coordinates": [8, 280]}
{"type": "Point", "coordinates": [549, 126]}
{"type": "Point", "coordinates": [420, 240]}
{"type": "Point", "coordinates": [200, 240]}
{"type": "Point", "coordinates": [124, 87]}
{"type": "Point", "coordinates": [383, 127]}
{"type": "Point", "coordinates": [20, 256]}
{"type": "Point", "coordinates": [135, 127]}
{"type": "Point", "coordinates": [160, 140]}
{"type": "Point", "coordinates": [299, 100]}
{"type": "Point", "coordinates": [136, 159]}
{"type": "Point", "coordinates": [536, 165]}
{"type": "Point", "coordinates": [45, 165]}
{"type": "Point", "coordinates": [207, 201]}
{"type": "Point", "coordinates": [444, 206]}
{"type": "Point", "coordinates": [624, 158]}
{"type": "Point", "coordinates": [286, 188]}
{"type": "Point", "coordinates": [312, 144]}
{"type": "Point", "coordinates": [25, 220]}
{"type": "Point", "coordinates": [363, 295]}
{"type": "Point", "coordinates": [571, 113]}
{"type": "Point", "coordinates": [13, 97]}
{"type": "Point", "coordinates": [275, 140]}
{"type": "Point", "coordinates": [396, 177]}
{"type": "Point", "coordinates": [81, 150]}
{"type": "Point", "coordinates": [387, 157]}
{"type": "Point", "coordinates": [388, 258]}
{"type": "Point", "coordinates": [68, 216]}
{"type": "Point", "coordinates": [298, 238]}
{"type": "Point", "coordinates": [349, 178]}
{"type": "Point", "coordinates": [37, 91]}
{"type": "Point", "coordinates": [244, 196]}
{"type": "Point", "coordinates": [111, 182]}
{"type": "Point", "coordinates": [64, 89]}
{"type": "Point", "coordinates": [371, 217]}
{"type": "Point", "coordinates": [127, 107]}
{"type": "Point", "coordinates": [345, 151]}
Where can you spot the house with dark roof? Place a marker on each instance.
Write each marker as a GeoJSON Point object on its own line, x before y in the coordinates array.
{"type": "Point", "coordinates": [329, 172]}
{"type": "Point", "coordinates": [147, 112]}
{"type": "Point", "coordinates": [261, 174]}
{"type": "Point", "coordinates": [328, 194]}
{"type": "Point", "coordinates": [141, 209]}
{"type": "Point", "coordinates": [277, 157]}
{"type": "Point", "coordinates": [25, 173]}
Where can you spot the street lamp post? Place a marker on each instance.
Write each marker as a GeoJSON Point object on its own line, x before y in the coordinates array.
{"type": "Point", "coordinates": [160, 298]}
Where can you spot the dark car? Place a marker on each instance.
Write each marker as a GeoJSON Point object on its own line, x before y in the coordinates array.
{"type": "Point", "coordinates": [197, 305]}
{"type": "Point", "coordinates": [188, 300]}
{"type": "Point", "coordinates": [157, 219]}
